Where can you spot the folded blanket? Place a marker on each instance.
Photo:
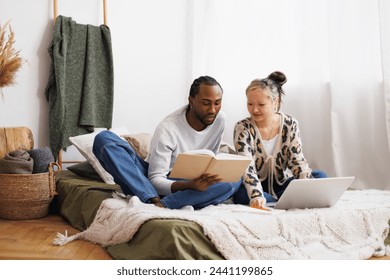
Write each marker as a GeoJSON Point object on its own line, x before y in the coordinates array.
{"type": "Point", "coordinates": [42, 158]}
{"type": "Point", "coordinates": [16, 162]}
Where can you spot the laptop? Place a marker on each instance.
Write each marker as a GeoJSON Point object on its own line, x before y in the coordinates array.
{"type": "Point", "coordinates": [313, 193]}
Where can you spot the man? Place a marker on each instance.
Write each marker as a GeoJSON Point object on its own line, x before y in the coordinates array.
{"type": "Point", "coordinates": [198, 125]}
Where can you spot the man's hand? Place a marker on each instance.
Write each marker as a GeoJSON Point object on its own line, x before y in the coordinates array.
{"type": "Point", "coordinates": [201, 183]}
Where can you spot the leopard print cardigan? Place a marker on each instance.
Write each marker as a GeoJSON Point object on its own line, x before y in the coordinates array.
{"type": "Point", "coordinates": [286, 161]}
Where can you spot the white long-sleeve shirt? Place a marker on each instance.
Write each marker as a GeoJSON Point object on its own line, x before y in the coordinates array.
{"type": "Point", "coordinates": [174, 136]}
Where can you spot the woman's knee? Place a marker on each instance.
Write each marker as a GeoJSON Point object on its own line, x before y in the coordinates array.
{"type": "Point", "coordinates": [241, 196]}
{"type": "Point", "coordinates": [319, 174]}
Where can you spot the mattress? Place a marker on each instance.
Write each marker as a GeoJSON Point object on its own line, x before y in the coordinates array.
{"type": "Point", "coordinates": [79, 198]}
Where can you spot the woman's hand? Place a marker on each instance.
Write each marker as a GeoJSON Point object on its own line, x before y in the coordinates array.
{"type": "Point", "coordinates": [259, 203]}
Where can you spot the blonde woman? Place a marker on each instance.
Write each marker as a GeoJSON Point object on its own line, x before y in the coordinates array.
{"type": "Point", "coordinates": [271, 138]}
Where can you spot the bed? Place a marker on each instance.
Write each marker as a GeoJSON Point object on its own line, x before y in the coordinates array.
{"type": "Point", "coordinates": [357, 227]}
{"type": "Point", "coordinates": [79, 199]}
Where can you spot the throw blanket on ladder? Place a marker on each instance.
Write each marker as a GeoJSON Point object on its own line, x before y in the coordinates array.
{"type": "Point", "coordinates": [81, 83]}
{"type": "Point", "coordinates": [355, 228]}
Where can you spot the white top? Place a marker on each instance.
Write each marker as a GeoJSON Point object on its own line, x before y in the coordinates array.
{"type": "Point", "coordinates": [174, 136]}
{"type": "Point", "coordinates": [269, 145]}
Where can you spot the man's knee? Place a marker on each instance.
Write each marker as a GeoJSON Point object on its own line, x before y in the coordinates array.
{"type": "Point", "coordinates": [104, 137]}
{"type": "Point", "coordinates": [101, 139]}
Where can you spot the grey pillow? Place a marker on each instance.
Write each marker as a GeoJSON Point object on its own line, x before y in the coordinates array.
{"type": "Point", "coordinates": [85, 169]}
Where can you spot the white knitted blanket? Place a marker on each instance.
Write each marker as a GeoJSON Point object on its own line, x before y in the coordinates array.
{"type": "Point", "coordinates": [355, 228]}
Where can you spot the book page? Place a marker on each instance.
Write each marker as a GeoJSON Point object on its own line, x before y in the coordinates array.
{"type": "Point", "coordinates": [230, 156]}
{"type": "Point", "coordinates": [190, 166]}
{"type": "Point", "coordinates": [200, 152]}
{"type": "Point", "coordinates": [229, 169]}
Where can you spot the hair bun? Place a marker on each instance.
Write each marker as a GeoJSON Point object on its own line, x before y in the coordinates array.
{"type": "Point", "coordinates": [278, 77]}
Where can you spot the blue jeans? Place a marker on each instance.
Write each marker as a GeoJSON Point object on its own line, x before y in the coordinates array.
{"type": "Point", "coordinates": [130, 171]}
{"type": "Point", "coordinates": [241, 197]}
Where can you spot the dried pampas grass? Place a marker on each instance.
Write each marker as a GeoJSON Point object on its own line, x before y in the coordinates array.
{"type": "Point", "coordinates": [10, 60]}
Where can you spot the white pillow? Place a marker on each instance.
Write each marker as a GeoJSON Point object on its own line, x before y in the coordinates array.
{"type": "Point", "coordinates": [84, 144]}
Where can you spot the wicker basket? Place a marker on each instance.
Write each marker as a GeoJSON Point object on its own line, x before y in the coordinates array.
{"type": "Point", "coordinates": [27, 196]}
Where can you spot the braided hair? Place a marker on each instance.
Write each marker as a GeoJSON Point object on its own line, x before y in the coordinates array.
{"type": "Point", "coordinates": [203, 80]}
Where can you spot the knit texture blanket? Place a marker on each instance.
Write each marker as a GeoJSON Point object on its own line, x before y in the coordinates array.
{"type": "Point", "coordinates": [355, 228]}
{"type": "Point", "coordinates": [42, 158]}
{"type": "Point", "coordinates": [17, 162]}
{"type": "Point", "coordinates": [80, 88]}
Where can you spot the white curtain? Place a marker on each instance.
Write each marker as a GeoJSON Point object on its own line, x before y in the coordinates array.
{"type": "Point", "coordinates": [335, 55]}
{"type": "Point", "coordinates": [384, 18]}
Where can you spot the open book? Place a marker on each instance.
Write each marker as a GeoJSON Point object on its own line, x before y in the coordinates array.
{"type": "Point", "coordinates": [192, 164]}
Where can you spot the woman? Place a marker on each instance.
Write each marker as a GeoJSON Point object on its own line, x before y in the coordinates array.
{"type": "Point", "coordinates": [271, 138]}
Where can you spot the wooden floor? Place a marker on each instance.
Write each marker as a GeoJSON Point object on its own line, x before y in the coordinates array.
{"type": "Point", "coordinates": [32, 240]}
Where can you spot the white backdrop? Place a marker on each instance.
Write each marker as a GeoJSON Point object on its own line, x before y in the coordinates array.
{"type": "Point", "coordinates": [335, 54]}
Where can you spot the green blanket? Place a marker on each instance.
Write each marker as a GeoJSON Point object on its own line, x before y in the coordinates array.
{"type": "Point", "coordinates": [79, 198]}
{"type": "Point", "coordinates": [81, 82]}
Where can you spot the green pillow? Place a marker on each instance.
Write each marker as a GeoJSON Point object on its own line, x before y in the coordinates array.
{"type": "Point", "coordinates": [85, 169]}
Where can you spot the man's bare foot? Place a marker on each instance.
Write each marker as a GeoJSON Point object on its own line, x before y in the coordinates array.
{"type": "Point", "coordinates": [156, 201]}
{"type": "Point", "coordinates": [158, 204]}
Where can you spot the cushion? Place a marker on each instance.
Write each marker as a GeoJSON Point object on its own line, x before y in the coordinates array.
{"type": "Point", "coordinates": [85, 169]}
{"type": "Point", "coordinates": [140, 142]}
{"type": "Point", "coordinates": [84, 144]}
